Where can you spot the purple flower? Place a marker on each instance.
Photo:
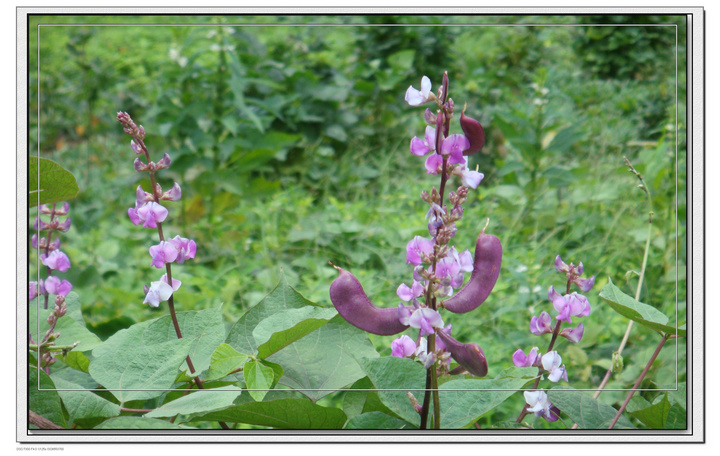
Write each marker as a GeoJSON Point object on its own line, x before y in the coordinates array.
{"type": "Point", "coordinates": [403, 347]}
{"type": "Point", "coordinates": [520, 360]}
{"type": "Point", "coordinates": [56, 260]}
{"type": "Point", "coordinates": [35, 289]}
{"type": "Point", "coordinates": [407, 294]}
{"type": "Point", "coordinates": [573, 274]}
{"type": "Point", "coordinates": [574, 334]}
{"type": "Point", "coordinates": [418, 247]}
{"type": "Point", "coordinates": [539, 404]}
{"type": "Point", "coordinates": [404, 314]}
{"type": "Point", "coordinates": [140, 165]}
{"type": "Point", "coordinates": [426, 319]}
{"type": "Point", "coordinates": [165, 252]}
{"type": "Point", "coordinates": [421, 147]}
{"type": "Point", "coordinates": [185, 248]}
{"type": "Point", "coordinates": [415, 97]}
{"type": "Point", "coordinates": [454, 145]}
{"type": "Point", "coordinates": [135, 147]}
{"type": "Point", "coordinates": [433, 164]}
{"type": "Point", "coordinates": [40, 225]}
{"type": "Point", "coordinates": [54, 286]}
{"type": "Point", "coordinates": [570, 305]}
{"type": "Point", "coordinates": [448, 270]}
{"type": "Point", "coordinates": [551, 362]}
{"type": "Point", "coordinates": [174, 194]}
{"type": "Point", "coordinates": [64, 226]}
{"type": "Point", "coordinates": [464, 260]}
{"type": "Point", "coordinates": [175, 282]}
{"type": "Point", "coordinates": [148, 214]}
{"type": "Point", "coordinates": [163, 163]}
{"type": "Point", "coordinates": [157, 292]}
{"type": "Point", "coordinates": [542, 324]}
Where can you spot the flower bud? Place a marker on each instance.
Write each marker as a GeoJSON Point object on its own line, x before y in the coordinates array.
{"type": "Point", "coordinates": [64, 226]}
{"type": "Point", "coordinates": [430, 117]}
{"type": "Point", "coordinates": [51, 319]}
{"type": "Point", "coordinates": [474, 133]}
{"type": "Point", "coordinates": [45, 209]}
{"type": "Point", "coordinates": [164, 162]}
{"type": "Point", "coordinates": [134, 146]}
{"type": "Point", "coordinates": [139, 165]}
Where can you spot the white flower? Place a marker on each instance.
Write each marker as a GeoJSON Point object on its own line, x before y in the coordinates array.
{"type": "Point", "coordinates": [415, 97]}
{"type": "Point", "coordinates": [158, 291]}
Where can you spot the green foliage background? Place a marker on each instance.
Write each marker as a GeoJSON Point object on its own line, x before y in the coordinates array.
{"type": "Point", "coordinates": [289, 137]}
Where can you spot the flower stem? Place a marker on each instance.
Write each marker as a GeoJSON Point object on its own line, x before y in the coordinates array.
{"type": "Point", "coordinates": [639, 380]}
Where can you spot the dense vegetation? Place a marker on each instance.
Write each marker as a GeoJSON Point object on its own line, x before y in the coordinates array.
{"type": "Point", "coordinates": [291, 145]}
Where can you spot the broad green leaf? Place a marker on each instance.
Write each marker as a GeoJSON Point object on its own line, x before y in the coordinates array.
{"type": "Point", "coordinates": [83, 405]}
{"type": "Point", "coordinates": [258, 376]}
{"type": "Point", "coordinates": [676, 418]}
{"type": "Point", "coordinates": [377, 420]}
{"type": "Point", "coordinates": [282, 298]}
{"type": "Point", "coordinates": [199, 401]}
{"type": "Point", "coordinates": [43, 399]}
{"type": "Point", "coordinates": [70, 326]}
{"type": "Point", "coordinates": [654, 416]}
{"type": "Point", "coordinates": [280, 414]}
{"type": "Point", "coordinates": [49, 182]}
{"type": "Point", "coordinates": [151, 369]}
{"type": "Point", "coordinates": [395, 377]}
{"type": "Point", "coordinates": [77, 360]}
{"type": "Point", "coordinates": [206, 326]}
{"type": "Point", "coordinates": [587, 412]}
{"type": "Point", "coordinates": [285, 327]}
{"type": "Point", "coordinates": [326, 359]}
{"type": "Point", "coordinates": [137, 422]}
{"type": "Point", "coordinates": [635, 310]}
{"type": "Point", "coordinates": [224, 360]}
{"type": "Point", "coordinates": [473, 398]}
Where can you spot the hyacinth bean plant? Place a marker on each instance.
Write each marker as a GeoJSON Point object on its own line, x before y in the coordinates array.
{"type": "Point", "coordinates": [187, 368]}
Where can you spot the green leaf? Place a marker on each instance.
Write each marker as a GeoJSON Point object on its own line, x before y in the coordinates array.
{"type": "Point", "coordinates": [325, 359]}
{"type": "Point", "coordinates": [258, 376]}
{"type": "Point", "coordinates": [402, 375]}
{"type": "Point", "coordinates": [587, 412]}
{"type": "Point", "coordinates": [43, 399]}
{"type": "Point", "coordinates": [152, 369]}
{"type": "Point", "coordinates": [282, 298]}
{"type": "Point", "coordinates": [224, 360]}
{"type": "Point", "coordinates": [641, 313]}
{"type": "Point", "coordinates": [676, 418]}
{"type": "Point", "coordinates": [49, 182]}
{"type": "Point", "coordinates": [474, 398]}
{"type": "Point", "coordinates": [84, 405]}
{"type": "Point", "coordinates": [654, 416]}
{"type": "Point", "coordinates": [137, 422]}
{"type": "Point", "coordinates": [69, 326]}
{"type": "Point", "coordinates": [377, 420]}
{"type": "Point", "coordinates": [281, 414]}
{"type": "Point", "coordinates": [206, 326]}
{"type": "Point", "coordinates": [200, 401]}
{"type": "Point", "coordinates": [285, 327]}
{"type": "Point", "coordinates": [77, 360]}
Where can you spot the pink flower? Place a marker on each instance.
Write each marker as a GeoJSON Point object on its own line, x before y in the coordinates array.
{"type": "Point", "coordinates": [426, 319]}
{"type": "Point", "coordinates": [162, 253]}
{"type": "Point", "coordinates": [56, 260]}
{"type": "Point", "coordinates": [54, 286]}
{"type": "Point", "coordinates": [454, 145]}
{"type": "Point", "coordinates": [421, 147]}
{"type": "Point", "coordinates": [571, 305]}
{"type": "Point", "coordinates": [148, 214]}
{"type": "Point", "coordinates": [185, 247]}
{"type": "Point", "coordinates": [403, 347]}
{"type": "Point", "coordinates": [542, 324]}
{"type": "Point", "coordinates": [418, 247]}
{"type": "Point", "coordinates": [407, 294]}
{"type": "Point", "coordinates": [574, 334]}
{"type": "Point", "coordinates": [520, 360]}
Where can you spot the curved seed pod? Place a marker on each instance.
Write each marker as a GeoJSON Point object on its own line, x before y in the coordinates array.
{"type": "Point", "coordinates": [474, 133]}
{"type": "Point", "coordinates": [350, 300]}
{"type": "Point", "coordinates": [486, 269]}
{"type": "Point", "coordinates": [470, 356]}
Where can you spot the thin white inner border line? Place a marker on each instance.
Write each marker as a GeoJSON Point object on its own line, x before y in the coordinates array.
{"type": "Point", "coordinates": [675, 26]}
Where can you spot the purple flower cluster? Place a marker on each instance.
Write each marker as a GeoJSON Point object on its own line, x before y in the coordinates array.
{"type": "Point", "coordinates": [438, 267]}
{"type": "Point", "coordinates": [149, 213]}
{"type": "Point", "coordinates": [567, 306]}
{"type": "Point", "coordinates": [52, 257]}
